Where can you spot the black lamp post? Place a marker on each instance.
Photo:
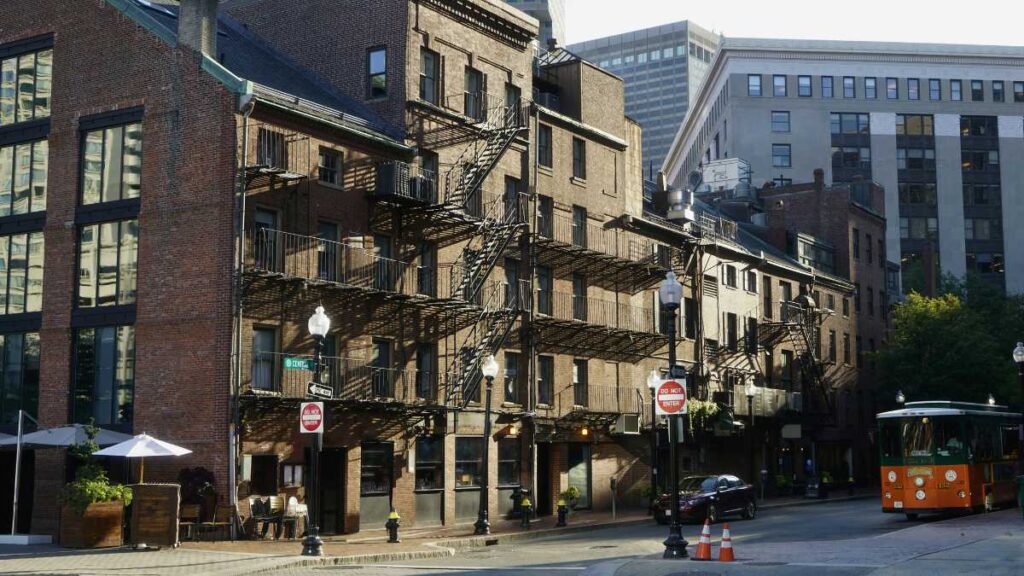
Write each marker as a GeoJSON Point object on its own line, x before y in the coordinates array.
{"type": "Point", "coordinates": [751, 390]}
{"type": "Point", "coordinates": [653, 379]}
{"type": "Point", "coordinates": [671, 293]}
{"type": "Point", "coordinates": [900, 398]}
{"type": "Point", "coordinates": [1018, 357]}
{"type": "Point", "coordinates": [482, 525]}
{"type": "Point", "coordinates": [319, 324]}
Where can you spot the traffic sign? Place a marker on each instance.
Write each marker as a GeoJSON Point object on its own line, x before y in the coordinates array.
{"type": "Point", "coordinates": [299, 364]}
{"type": "Point", "coordinates": [670, 398]}
{"type": "Point", "coordinates": [319, 391]}
{"type": "Point", "coordinates": [311, 417]}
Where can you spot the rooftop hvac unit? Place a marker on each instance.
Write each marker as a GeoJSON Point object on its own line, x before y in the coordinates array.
{"type": "Point", "coordinates": [627, 424]}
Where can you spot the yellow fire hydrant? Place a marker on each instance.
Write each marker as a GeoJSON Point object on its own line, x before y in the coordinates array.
{"type": "Point", "coordinates": [392, 526]}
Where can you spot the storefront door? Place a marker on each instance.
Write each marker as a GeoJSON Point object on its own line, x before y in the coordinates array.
{"type": "Point", "coordinates": [332, 491]}
{"type": "Point", "coordinates": [579, 472]}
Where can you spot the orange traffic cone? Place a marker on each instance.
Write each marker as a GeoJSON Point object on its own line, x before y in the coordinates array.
{"type": "Point", "coordinates": [725, 552]}
{"type": "Point", "coordinates": [704, 545]}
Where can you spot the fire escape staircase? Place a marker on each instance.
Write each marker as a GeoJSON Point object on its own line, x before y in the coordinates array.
{"type": "Point", "coordinates": [797, 332]}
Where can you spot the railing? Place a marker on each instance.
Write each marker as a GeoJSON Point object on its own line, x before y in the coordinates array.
{"type": "Point", "coordinates": [594, 311]}
{"type": "Point", "coordinates": [598, 398]}
{"type": "Point", "coordinates": [351, 379]}
{"type": "Point", "coordinates": [490, 110]}
{"type": "Point", "coordinates": [406, 181]}
{"type": "Point", "coordinates": [767, 402]}
{"type": "Point", "coordinates": [567, 231]}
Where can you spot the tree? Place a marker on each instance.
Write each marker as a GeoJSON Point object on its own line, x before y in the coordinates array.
{"type": "Point", "coordinates": [954, 347]}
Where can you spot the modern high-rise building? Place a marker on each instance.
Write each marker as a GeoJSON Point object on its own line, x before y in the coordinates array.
{"type": "Point", "coordinates": [663, 68]}
{"type": "Point", "coordinates": [941, 127]}
{"type": "Point", "coordinates": [550, 14]}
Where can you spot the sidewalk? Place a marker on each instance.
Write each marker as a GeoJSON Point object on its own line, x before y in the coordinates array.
{"type": "Point", "coordinates": [990, 544]}
{"type": "Point", "coordinates": [242, 557]}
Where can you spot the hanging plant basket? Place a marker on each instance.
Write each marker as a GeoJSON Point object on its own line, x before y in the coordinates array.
{"type": "Point", "coordinates": [700, 413]}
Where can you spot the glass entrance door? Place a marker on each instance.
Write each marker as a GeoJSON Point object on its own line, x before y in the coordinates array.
{"type": "Point", "coordinates": [579, 472]}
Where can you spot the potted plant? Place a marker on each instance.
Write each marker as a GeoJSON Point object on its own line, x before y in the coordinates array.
{"type": "Point", "coordinates": [92, 509]}
{"type": "Point", "coordinates": [197, 487]}
{"type": "Point", "coordinates": [571, 497]}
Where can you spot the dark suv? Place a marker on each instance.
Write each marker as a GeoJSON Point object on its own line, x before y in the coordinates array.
{"type": "Point", "coordinates": [709, 497]}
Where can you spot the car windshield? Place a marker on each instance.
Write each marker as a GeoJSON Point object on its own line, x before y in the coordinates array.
{"type": "Point", "coordinates": [698, 484]}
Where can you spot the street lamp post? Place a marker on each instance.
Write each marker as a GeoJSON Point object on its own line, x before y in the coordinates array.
{"type": "Point", "coordinates": [319, 324]}
{"type": "Point", "coordinates": [751, 390]}
{"type": "Point", "coordinates": [482, 525]}
{"type": "Point", "coordinates": [671, 293]}
{"type": "Point", "coordinates": [1018, 357]}
{"type": "Point", "coordinates": [900, 398]}
{"type": "Point", "coordinates": [653, 379]}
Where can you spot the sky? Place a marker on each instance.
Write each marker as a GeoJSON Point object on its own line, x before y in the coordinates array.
{"type": "Point", "coordinates": [943, 21]}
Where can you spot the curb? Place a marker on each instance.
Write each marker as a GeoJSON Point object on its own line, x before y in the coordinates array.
{"type": "Point", "coordinates": [491, 540]}
{"type": "Point", "coordinates": [378, 558]}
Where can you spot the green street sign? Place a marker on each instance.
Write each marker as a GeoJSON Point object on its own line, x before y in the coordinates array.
{"type": "Point", "coordinates": [299, 364]}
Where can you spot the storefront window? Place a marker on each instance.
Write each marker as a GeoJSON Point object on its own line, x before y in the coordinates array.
{"type": "Point", "coordinates": [508, 462]}
{"type": "Point", "coordinates": [468, 458]}
{"type": "Point", "coordinates": [430, 463]}
{"type": "Point", "coordinates": [376, 469]}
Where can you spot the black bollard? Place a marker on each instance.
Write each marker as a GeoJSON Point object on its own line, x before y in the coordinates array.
{"type": "Point", "coordinates": [563, 512]}
{"type": "Point", "coordinates": [392, 527]}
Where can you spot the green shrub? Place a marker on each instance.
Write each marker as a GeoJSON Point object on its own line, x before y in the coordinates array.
{"type": "Point", "coordinates": [91, 483]}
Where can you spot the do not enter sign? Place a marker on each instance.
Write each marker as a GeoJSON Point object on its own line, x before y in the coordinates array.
{"type": "Point", "coordinates": [670, 398]}
{"type": "Point", "coordinates": [311, 417]}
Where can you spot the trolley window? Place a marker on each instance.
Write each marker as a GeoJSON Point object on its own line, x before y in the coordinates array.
{"type": "Point", "coordinates": [889, 431]}
{"type": "Point", "coordinates": [917, 438]}
{"type": "Point", "coordinates": [948, 438]}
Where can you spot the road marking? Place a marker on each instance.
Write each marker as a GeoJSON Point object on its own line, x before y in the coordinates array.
{"type": "Point", "coordinates": [480, 568]}
{"type": "Point", "coordinates": [835, 565]}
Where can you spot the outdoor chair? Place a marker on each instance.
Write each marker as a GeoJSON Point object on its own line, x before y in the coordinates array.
{"type": "Point", "coordinates": [292, 514]}
{"type": "Point", "coordinates": [223, 517]}
{"type": "Point", "coordinates": [269, 511]}
{"type": "Point", "coordinates": [188, 520]}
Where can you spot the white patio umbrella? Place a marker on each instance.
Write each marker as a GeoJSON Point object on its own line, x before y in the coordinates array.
{"type": "Point", "coordinates": [64, 436]}
{"type": "Point", "coordinates": [142, 447]}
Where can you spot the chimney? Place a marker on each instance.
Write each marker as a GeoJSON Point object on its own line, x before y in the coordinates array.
{"type": "Point", "coordinates": [197, 25]}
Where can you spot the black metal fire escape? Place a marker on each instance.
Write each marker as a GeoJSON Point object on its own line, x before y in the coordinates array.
{"type": "Point", "coordinates": [798, 326]}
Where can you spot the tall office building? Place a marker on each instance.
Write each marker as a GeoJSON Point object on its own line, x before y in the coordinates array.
{"type": "Point", "coordinates": [663, 68]}
{"type": "Point", "coordinates": [550, 13]}
{"type": "Point", "coordinates": [941, 127]}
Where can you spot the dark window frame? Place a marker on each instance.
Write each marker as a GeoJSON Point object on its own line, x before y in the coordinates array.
{"type": "Point", "coordinates": [372, 92]}
{"type": "Point", "coordinates": [579, 158]}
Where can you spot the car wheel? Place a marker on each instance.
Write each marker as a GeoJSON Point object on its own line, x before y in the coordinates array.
{"type": "Point", "coordinates": [712, 514]}
{"type": "Point", "coordinates": [750, 510]}
{"type": "Point", "coordinates": [911, 516]}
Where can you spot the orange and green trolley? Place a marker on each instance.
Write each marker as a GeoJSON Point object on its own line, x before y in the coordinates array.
{"type": "Point", "coordinates": [939, 457]}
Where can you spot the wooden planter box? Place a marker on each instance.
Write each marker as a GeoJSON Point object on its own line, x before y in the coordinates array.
{"type": "Point", "coordinates": [99, 527]}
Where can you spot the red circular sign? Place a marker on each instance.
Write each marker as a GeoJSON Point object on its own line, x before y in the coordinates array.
{"type": "Point", "coordinates": [671, 397]}
{"type": "Point", "coordinates": [312, 417]}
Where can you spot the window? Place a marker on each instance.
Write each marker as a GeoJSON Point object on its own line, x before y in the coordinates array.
{"type": "Point", "coordinates": [19, 376]}
{"type": "Point", "coordinates": [766, 293]}
{"type": "Point", "coordinates": [803, 87]}
{"type": "Point", "coordinates": [918, 228]}
{"type": "Point", "coordinates": [781, 156]}
{"type": "Point", "coordinates": [112, 164]}
{"type": "Point", "coordinates": [25, 84]}
{"type": "Point", "coordinates": [881, 253]}
{"type": "Point", "coordinates": [381, 375]}
{"type": "Point", "coordinates": [916, 159]}
{"type": "Point", "coordinates": [977, 91]}
{"type": "Point", "coordinates": [851, 157]}
{"type": "Point", "coordinates": [830, 300]}
{"type": "Point", "coordinates": [1018, 91]}
{"type": "Point", "coordinates": [263, 474]}
{"type": "Point", "coordinates": [377, 73]}
{"type": "Point", "coordinates": [579, 159]}
{"type": "Point", "coordinates": [512, 377]}
{"type": "Point", "coordinates": [934, 89]}
{"type": "Point", "coordinates": [856, 297]}
{"type": "Point", "coordinates": [580, 392]}
{"type": "Point", "coordinates": [731, 331]}
{"type": "Point", "coordinates": [430, 73]}
{"type": "Point", "coordinates": [780, 182]}
{"type": "Point", "coordinates": [544, 146]}
{"type": "Point", "coordinates": [832, 345]}
{"type": "Point", "coordinates": [468, 461]}
{"type": "Point", "coordinates": [751, 281]}
{"type": "Point", "coordinates": [509, 458]}
{"type": "Point", "coordinates": [892, 89]}
{"type": "Point", "coordinates": [23, 174]}
{"type": "Point", "coordinates": [544, 287]}
{"type": "Point", "coordinates": [329, 169]}
{"type": "Point", "coordinates": [107, 263]}
{"type": "Point", "coordinates": [270, 150]}
{"type": "Point", "coordinates": [869, 247]}
{"type": "Point", "coordinates": [689, 318]}
{"type": "Point", "coordinates": [955, 90]}
{"type": "Point", "coordinates": [826, 86]}
{"type": "Point", "coordinates": [426, 386]}
{"type": "Point", "coordinates": [753, 85]}
{"type": "Point", "coordinates": [998, 91]}
{"type": "Point", "coordinates": [849, 123]}
{"type": "Point", "coordinates": [982, 194]}
{"type": "Point", "coordinates": [430, 463]}
{"type": "Point", "coordinates": [871, 301]}
{"type": "Point", "coordinates": [545, 379]}
{"type": "Point", "coordinates": [915, 125]}
{"type": "Point", "coordinates": [104, 375]}
{"type": "Point", "coordinates": [473, 104]}
{"type": "Point", "coordinates": [21, 273]}
{"type": "Point", "coordinates": [376, 468]}
{"type": "Point", "coordinates": [846, 348]}
{"type": "Point", "coordinates": [849, 87]}
{"type": "Point", "coordinates": [291, 475]}
{"type": "Point", "coordinates": [778, 85]}
{"type": "Point", "coordinates": [871, 88]}
{"type": "Point", "coordinates": [751, 336]}
{"type": "Point", "coordinates": [730, 276]}
{"type": "Point", "coordinates": [856, 243]}
{"type": "Point", "coordinates": [983, 229]}
{"type": "Point", "coordinates": [264, 359]}
{"type": "Point", "coordinates": [780, 121]}
{"type": "Point", "coordinates": [513, 96]}
{"type": "Point", "coordinates": [846, 306]}
{"type": "Point", "coordinates": [913, 89]}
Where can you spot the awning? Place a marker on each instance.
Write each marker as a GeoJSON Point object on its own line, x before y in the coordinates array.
{"type": "Point", "coordinates": [64, 436]}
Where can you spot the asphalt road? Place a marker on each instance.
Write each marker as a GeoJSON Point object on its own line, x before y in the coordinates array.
{"type": "Point", "coordinates": [573, 553]}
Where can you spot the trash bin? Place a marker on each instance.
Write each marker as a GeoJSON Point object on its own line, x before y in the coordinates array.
{"type": "Point", "coordinates": [816, 488]}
